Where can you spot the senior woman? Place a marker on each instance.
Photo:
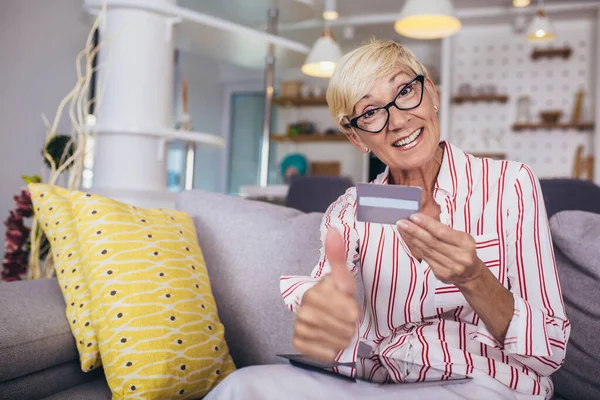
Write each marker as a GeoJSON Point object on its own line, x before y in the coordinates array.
{"type": "Point", "coordinates": [466, 286]}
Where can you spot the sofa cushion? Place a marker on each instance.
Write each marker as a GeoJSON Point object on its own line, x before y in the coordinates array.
{"type": "Point", "coordinates": [94, 390]}
{"type": "Point", "coordinates": [576, 235]}
{"type": "Point", "coordinates": [248, 245]}
{"type": "Point", "coordinates": [47, 382]}
{"type": "Point", "coordinates": [34, 332]}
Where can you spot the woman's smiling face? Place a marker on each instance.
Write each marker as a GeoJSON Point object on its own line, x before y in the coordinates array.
{"type": "Point", "coordinates": [411, 137]}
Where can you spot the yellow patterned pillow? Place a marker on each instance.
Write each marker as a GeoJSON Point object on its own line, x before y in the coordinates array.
{"type": "Point", "coordinates": [52, 207]}
{"type": "Point", "coordinates": [152, 306]}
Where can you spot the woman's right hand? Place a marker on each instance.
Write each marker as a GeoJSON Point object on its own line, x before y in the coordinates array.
{"type": "Point", "coordinates": [327, 319]}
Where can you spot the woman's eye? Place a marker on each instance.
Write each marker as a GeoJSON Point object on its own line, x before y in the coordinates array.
{"type": "Point", "coordinates": [406, 90]}
{"type": "Point", "coordinates": [370, 113]}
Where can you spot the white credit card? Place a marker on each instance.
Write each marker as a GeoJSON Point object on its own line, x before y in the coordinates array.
{"type": "Point", "coordinates": [386, 204]}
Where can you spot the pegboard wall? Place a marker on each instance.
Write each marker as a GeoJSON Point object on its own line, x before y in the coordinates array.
{"type": "Point", "coordinates": [498, 56]}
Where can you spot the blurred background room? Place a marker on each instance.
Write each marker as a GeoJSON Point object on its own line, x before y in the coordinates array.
{"type": "Point", "coordinates": [169, 163]}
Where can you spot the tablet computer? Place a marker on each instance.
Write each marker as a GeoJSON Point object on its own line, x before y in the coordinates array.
{"type": "Point", "coordinates": [379, 370]}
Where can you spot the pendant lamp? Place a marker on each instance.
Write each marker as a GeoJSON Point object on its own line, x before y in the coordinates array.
{"type": "Point", "coordinates": [323, 57]}
{"type": "Point", "coordinates": [540, 28]}
{"type": "Point", "coordinates": [431, 19]}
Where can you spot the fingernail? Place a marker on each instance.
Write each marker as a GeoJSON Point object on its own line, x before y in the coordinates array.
{"type": "Point", "coordinates": [415, 218]}
{"type": "Point", "coordinates": [402, 224]}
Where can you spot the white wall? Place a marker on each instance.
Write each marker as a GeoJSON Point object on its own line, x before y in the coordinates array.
{"type": "Point", "coordinates": [205, 102]}
{"type": "Point", "coordinates": [39, 41]}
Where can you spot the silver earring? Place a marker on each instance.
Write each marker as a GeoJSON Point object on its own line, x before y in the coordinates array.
{"type": "Point", "coordinates": [436, 108]}
{"type": "Point", "coordinates": [366, 149]}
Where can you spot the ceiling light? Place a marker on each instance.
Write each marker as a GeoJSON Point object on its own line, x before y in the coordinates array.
{"type": "Point", "coordinates": [323, 57]}
{"type": "Point", "coordinates": [330, 12]}
{"type": "Point", "coordinates": [330, 15]}
{"type": "Point", "coordinates": [521, 3]}
{"type": "Point", "coordinates": [540, 28]}
{"type": "Point", "coordinates": [433, 19]}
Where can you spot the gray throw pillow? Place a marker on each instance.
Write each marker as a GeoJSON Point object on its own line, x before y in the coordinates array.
{"type": "Point", "coordinates": [247, 246]}
{"type": "Point", "coordinates": [576, 237]}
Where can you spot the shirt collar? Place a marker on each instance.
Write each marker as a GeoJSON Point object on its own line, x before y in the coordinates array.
{"type": "Point", "coordinates": [454, 160]}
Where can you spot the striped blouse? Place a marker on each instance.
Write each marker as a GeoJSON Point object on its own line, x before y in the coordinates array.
{"type": "Point", "coordinates": [407, 314]}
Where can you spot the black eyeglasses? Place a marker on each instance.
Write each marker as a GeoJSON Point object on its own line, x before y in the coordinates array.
{"type": "Point", "coordinates": [375, 120]}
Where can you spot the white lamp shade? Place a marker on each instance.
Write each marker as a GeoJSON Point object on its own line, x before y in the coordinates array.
{"type": "Point", "coordinates": [540, 28]}
{"type": "Point", "coordinates": [427, 19]}
{"type": "Point", "coordinates": [323, 57]}
{"type": "Point", "coordinates": [521, 3]}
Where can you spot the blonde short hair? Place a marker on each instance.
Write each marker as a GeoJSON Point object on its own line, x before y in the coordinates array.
{"type": "Point", "coordinates": [357, 71]}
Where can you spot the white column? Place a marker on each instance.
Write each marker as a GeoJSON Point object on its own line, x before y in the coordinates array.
{"type": "Point", "coordinates": [446, 82]}
{"type": "Point", "coordinates": [137, 101]}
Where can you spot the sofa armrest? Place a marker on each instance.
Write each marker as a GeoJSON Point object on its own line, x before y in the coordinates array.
{"type": "Point", "coordinates": [34, 331]}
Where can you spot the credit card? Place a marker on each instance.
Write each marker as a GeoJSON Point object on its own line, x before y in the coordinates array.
{"type": "Point", "coordinates": [386, 204]}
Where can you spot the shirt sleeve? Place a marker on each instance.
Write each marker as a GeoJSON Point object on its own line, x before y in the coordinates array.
{"type": "Point", "coordinates": [539, 330]}
{"type": "Point", "coordinates": [341, 216]}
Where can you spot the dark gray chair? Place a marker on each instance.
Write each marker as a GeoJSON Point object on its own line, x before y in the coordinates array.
{"type": "Point", "coordinates": [570, 194]}
{"type": "Point", "coordinates": [314, 193]}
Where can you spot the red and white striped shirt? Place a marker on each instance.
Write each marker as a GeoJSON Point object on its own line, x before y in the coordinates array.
{"type": "Point", "coordinates": [409, 315]}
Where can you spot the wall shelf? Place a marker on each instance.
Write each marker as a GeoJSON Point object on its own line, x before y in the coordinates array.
{"type": "Point", "coordinates": [492, 155]}
{"type": "Point", "coordinates": [310, 138]}
{"type": "Point", "coordinates": [167, 135]}
{"type": "Point", "coordinates": [551, 53]}
{"type": "Point", "coordinates": [300, 101]}
{"type": "Point", "coordinates": [582, 126]}
{"type": "Point", "coordinates": [500, 98]}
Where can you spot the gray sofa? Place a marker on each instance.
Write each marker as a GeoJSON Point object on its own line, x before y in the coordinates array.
{"type": "Point", "coordinates": [247, 246]}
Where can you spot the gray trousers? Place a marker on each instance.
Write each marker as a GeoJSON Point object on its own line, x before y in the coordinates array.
{"type": "Point", "coordinates": [274, 382]}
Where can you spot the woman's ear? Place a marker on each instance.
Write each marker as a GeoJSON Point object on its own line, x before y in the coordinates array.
{"type": "Point", "coordinates": [433, 93]}
{"type": "Point", "coordinates": [356, 140]}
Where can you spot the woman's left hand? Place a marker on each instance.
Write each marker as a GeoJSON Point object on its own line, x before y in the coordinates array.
{"type": "Point", "coordinates": [451, 254]}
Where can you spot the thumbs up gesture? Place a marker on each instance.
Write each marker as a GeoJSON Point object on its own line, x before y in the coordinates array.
{"type": "Point", "coordinates": [327, 318]}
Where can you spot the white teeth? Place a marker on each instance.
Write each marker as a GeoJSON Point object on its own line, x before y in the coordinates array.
{"type": "Point", "coordinates": [409, 139]}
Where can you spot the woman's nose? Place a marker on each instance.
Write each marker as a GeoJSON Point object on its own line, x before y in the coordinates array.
{"type": "Point", "coordinates": [398, 119]}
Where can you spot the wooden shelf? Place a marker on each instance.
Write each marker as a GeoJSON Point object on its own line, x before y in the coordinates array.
{"type": "Point", "coordinates": [583, 126]}
{"type": "Point", "coordinates": [500, 98]}
{"type": "Point", "coordinates": [551, 53]}
{"type": "Point", "coordinates": [300, 101]}
{"type": "Point", "coordinates": [495, 156]}
{"type": "Point", "coordinates": [311, 138]}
